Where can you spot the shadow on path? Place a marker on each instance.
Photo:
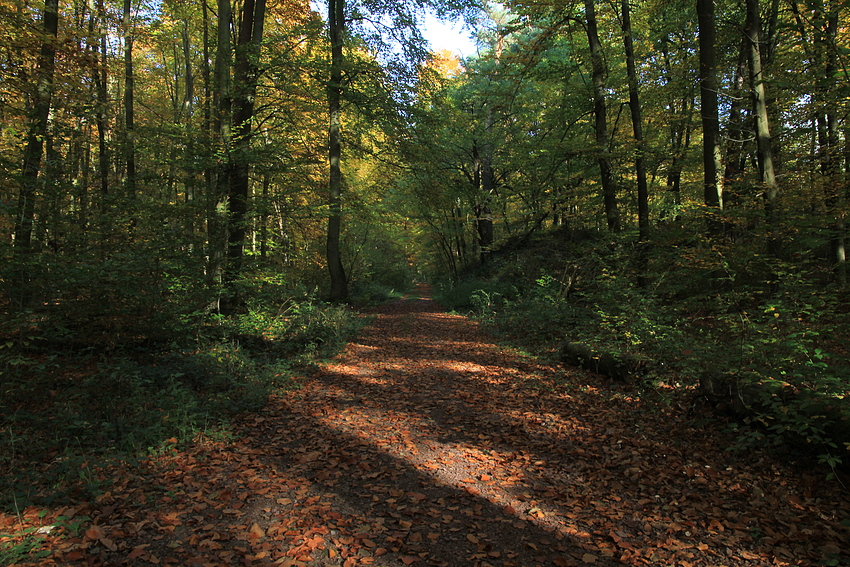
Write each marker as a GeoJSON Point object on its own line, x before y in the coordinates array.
{"type": "Point", "coordinates": [426, 444]}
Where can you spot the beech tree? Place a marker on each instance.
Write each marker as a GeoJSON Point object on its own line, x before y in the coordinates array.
{"type": "Point", "coordinates": [637, 122]}
{"type": "Point", "coordinates": [764, 143]}
{"type": "Point", "coordinates": [245, 78]}
{"type": "Point", "coordinates": [37, 128]}
{"type": "Point", "coordinates": [600, 112]}
{"type": "Point", "coordinates": [712, 155]}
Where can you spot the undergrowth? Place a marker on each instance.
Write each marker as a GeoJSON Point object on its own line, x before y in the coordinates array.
{"type": "Point", "coordinates": [69, 412]}
{"type": "Point", "coordinates": [690, 306]}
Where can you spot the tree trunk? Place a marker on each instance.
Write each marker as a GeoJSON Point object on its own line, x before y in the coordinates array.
{"type": "Point", "coordinates": [37, 129]}
{"type": "Point", "coordinates": [245, 80]}
{"type": "Point", "coordinates": [264, 216]}
{"type": "Point", "coordinates": [216, 205]}
{"type": "Point", "coordinates": [336, 28]}
{"type": "Point", "coordinates": [735, 156]}
{"type": "Point", "coordinates": [712, 160]}
{"type": "Point", "coordinates": [129, 111]}
{"type": "Point", "coordinates": [763, 141]}
{"type": "Point", "coordinates": [99, 72]}
{"type": "Point", "coordinates": [681, 104]}
{"type": "Point", "coordinates": [609, 189]}
{"type": "Point", "coordinates": [637, 124]}
{"type": "Point", "coordinates": [828, 142]}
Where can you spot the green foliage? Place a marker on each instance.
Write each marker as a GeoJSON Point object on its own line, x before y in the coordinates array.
{"type": "Point", "coordinates": [373, 293]}
{"type": "Point", "coordinates": [25, 544]}
{"type": "Point", "coordinates": [481, 297]}
{"type": "Point", "coordinates": [63, 420]}
{"type": "Point", "coordinates": [688, 308]}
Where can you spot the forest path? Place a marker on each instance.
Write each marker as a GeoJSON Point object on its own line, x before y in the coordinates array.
{"type": "Point", "coordinates": [426, 444]}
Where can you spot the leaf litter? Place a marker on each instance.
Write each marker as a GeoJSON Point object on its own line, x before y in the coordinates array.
{"type": "Point", "coordinates": [426, 444]}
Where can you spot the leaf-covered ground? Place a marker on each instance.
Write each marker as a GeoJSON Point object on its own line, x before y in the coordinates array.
{"type": "Point", "coordinates": [427, 444]}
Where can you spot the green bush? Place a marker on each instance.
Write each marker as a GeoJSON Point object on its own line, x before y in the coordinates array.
{"type": "Point", "coordinates": [479, 296]}
{"type": "Point", "coordinates": [690, 304]}
{"type": "Point", "coordinates": [64, 417]}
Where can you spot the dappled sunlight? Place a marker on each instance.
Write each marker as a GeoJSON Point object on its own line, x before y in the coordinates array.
{"type": "Point", "coordinates": [438, 448]}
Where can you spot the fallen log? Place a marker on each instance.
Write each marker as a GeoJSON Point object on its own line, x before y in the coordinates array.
{"type": "Point", "coordinates": [620, 367]}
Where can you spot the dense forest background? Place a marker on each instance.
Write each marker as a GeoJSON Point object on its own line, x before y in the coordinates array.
{"type": "Point", "coordinates": [195, 197]}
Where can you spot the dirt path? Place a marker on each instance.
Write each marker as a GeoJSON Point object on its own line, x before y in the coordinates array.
{"type": "Point", "coordinates": [426, 444]}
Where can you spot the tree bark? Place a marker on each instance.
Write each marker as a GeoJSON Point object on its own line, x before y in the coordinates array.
{"type": "Point", "coordinates": [101, 120]}
{"type": "Point", "coordinates": [336, 28]}
{"type": "Point", "coordinates": [129, 110]}
{"type": "Point", "coordinates": [245, 77]}
{"type": "Point", "coordinates": [37, 129]}
{"type": "Point", "coordinates": [762, 123]}
{"type": "Point", "coordinates": [712, 157]}
{"type": "Point", "coordinates": [637, 124]}
{"type": "Point", "coordinates": [216, 199]}
{"type": "Point", "coordinates": [609, 189]}
{"type": "Point", "coordinates": [735, 156]}
{"type": "Point", "coordinates": [828, 142]}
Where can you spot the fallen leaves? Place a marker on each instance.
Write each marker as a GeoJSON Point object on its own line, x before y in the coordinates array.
{"type": "Point", "coordinates": [428, 445]}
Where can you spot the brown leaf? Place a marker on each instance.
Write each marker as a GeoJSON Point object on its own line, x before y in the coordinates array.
{"type": "Point", "coordinates": [256, 532]}
{"type": "Point", "coordinates": [137, 551]}
{"type": "Point", "coordinates": [95, 533]}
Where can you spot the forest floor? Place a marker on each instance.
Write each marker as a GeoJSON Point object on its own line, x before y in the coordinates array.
{"type": "Point", "coordinates": [425, 443]}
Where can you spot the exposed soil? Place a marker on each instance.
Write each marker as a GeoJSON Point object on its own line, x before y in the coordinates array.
{"type": "Point", "coordinates": [425, 443]}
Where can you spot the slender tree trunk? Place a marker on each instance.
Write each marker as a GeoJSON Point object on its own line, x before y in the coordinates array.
{"type": "Point", "coordinates": [37, 129]}
{"type": "Point", "coordinates": [829, 145]}
{"type": "Point", "coordinates": [712, 156]}
{"type": "Point", "coordinates": [484, 213]}
{"type": "Point", "coordinates": [735, 156]}
{"type": "Point", "coordinates": [680, 141]}
{"type": "Point", "coordinates": [336, 28]}
{"type": "Point", "coordinates": [216, 204]}
{"type": "Point", "coordinates": [129, 110]}
{"type": "Point", "coordinates": [207, 145]}
{"type": "Point", "coordinates": [189, 169]}
{"type": "Point", "coordinates": [609, 189]}
{"type": "Point", "coordinates": [681, 125]}
{"type": "Point", "coordinates": [100, 60]}
{"type": "Point", "coordinates": [763, 141]}
{"type": "Point", "coordinates": [264, 216]}
{"type": "Point", "coordinates": [637, 124]}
